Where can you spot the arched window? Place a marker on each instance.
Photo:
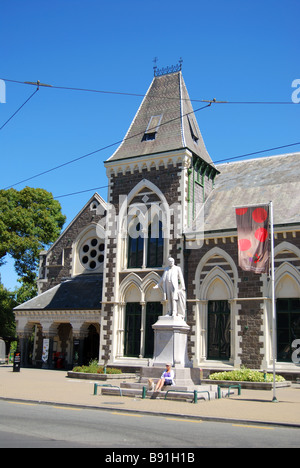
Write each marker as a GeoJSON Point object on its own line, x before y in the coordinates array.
{"type": "Point", "coordinates": [155, 253]}
{"type": "Point", "coordinates": [146, 251]}
{"type": "Point", "coordinates": [136, 247]}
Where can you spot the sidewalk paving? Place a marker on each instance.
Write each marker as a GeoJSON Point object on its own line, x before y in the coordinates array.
{"type": "Point", "coordinates": [53, 387]}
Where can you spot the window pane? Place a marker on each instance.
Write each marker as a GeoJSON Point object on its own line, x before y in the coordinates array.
{"type": "Point", "coordinates": [135, 250]}
{"type": "Point", "coordinates": [288, 327]}
{"type": "Point", "coordinates": [155, 244]}
{"type": "Point", "coordinates": [132, 329]}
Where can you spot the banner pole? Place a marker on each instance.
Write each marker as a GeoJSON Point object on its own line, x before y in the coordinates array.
{"type": "Point", "coordinates": [274, 338]}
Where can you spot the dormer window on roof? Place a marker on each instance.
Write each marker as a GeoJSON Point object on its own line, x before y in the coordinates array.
{"type": "Point", "coordinates": [193, 128]}
{"type": "Point", "coordinates": [152, 127]}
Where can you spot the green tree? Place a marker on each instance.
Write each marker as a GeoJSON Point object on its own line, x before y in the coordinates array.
{"type": "Point", "coordinates": [30, 220]}
{"type": "Point", "coordinates": [7, 319]}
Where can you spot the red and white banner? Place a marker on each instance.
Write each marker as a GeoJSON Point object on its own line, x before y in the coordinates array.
{"type": "Point", "coordinates": [254, 238]}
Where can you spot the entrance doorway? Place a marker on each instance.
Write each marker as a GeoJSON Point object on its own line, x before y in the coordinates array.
{"type": "Point", "coordinates": [219, 323]}
{"type": "Point", "coordinates": [91, 345]}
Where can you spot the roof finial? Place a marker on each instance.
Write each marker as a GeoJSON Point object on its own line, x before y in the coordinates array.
{"type": "Point", "coordinates": [167, 70]}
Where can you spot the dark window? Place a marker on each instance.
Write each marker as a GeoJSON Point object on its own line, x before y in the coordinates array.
{"type": "Point", "coordinates": [152, 128]}
{"type": "Point", "coordinates": [149, 136]}
{"type": "Point", "coordinates": [136, 249]}
{"type": "Point", "coordinates": [218, 330]}
{"type": "Point", "coordinates": [155, 245]}
{"type": "Point", "coordinates": [193, 128]}
{"type": "Point", "coordinates": [288, 327]}
{"type": "Point", "coordinates": [132, 342]}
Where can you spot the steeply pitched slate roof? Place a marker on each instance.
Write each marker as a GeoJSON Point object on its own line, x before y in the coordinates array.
{"type": "Point", "coordinates": [256, 181]}
{"type": "Point", "coordinates": [83, 292]}
{"type": "Point", "coordinates": [167, 96]}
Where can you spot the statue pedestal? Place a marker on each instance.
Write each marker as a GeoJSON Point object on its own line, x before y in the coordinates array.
{"type": "Point", "coordinates": [170, 342]}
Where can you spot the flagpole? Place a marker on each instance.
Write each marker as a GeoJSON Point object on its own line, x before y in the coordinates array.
{"type": "Point", "coordinates": [274, 339]}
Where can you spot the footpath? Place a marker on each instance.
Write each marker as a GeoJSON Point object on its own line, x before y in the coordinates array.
{"type": "Point", "coordinates": [55, 388]}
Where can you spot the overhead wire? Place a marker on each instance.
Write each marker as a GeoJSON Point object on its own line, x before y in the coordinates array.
{"type": "Point", "coordinates": [18, 110]}
{"type": "Point", "coordinates": [68, 88]}
{"type": "Point", "coordinates": [96, 151]}
{"type": "Point", "coordinates": [256, 152]}
{"type": "Point", "coordinates": [215, 162]}
{"type": "Point", "coordinates": [210, 102]}
{"type": "Point", "coordinates": [80, 192]}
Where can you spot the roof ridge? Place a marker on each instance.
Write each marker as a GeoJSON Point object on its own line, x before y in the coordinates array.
{"type": "Point", "coordinates": [260, 159]}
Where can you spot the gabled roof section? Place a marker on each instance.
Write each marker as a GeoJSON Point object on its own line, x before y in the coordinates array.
{"type": "Point", "coordinates": [93, 202]}
{"type": "Point", "coordinates": [83, 292]}
{"type": "Point", "coordinates": [165, 121]}
{"type": "Point", "coordinates": [255, 181]}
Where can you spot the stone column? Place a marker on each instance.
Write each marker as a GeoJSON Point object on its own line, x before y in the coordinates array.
{"type": "Point", "coordinates": [143, 331]}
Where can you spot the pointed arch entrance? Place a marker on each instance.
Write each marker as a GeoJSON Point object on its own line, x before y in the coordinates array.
{"type": "Point", "coordinates": [216, 318]}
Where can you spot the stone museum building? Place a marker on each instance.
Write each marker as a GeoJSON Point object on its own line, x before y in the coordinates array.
{"type": "Point", "coordinates": [167, 198]}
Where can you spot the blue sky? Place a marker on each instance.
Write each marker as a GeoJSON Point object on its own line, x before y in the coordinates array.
{"type": "Point", "coordinates": [232, 50]}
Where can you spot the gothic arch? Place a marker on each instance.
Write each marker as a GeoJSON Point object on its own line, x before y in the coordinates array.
{"type": "Point", "coordinates": [216, 272]}
{"type": "Point", "coordinates": [287, 246]}
{"type": "Point", "coordinates": [150, 281]}
{"type": "Point", "coordinates": [139, 218]}
{"type": "Point", "coordinates": [131, 282]}
{"type": "Point", "coordinates": [140, 186]}
{"type": "Point", "coordinates": [216, 279]}
{"type": "Point", "coordinates": [286, 272]}
{"type": "Point", "coordinates": [290, 275]}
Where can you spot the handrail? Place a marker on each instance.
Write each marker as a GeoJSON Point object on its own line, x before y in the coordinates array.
{"type": "Point", "coordinates": [238, 386]}
{"type": "Point", "coordinates": [195, 392]}
{"type": "Point", "coordinates": [96, 385]}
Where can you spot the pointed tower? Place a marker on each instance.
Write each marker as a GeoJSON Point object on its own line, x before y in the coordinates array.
{"type": "Point", "coordinates": [158, 177]}
{"type": "Point", "coordinates": [165, 122]}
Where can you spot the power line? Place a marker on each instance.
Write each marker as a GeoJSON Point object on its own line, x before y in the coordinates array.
{"type": "Point", "coordinates": [81, 191]}
{"type": "Point", "coordinates": [19, 109]}
{"type": "Point", "coordinates": [215, 162]}
{"type": "Point", "coordinates": [68, 88]}
{"type": "Point", "coordinates": [257, 152]}
{"type": "Point", "coordinates": [97, 151]}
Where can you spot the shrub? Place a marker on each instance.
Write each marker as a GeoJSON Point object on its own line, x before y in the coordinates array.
{"type": "Point", "coordinates": [245, 375]}
{"type": "Point", "coordinates": [94, 368]}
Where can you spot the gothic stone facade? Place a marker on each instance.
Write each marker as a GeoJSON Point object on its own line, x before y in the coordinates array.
{"type": "Point", "coordinates": [166, 198]}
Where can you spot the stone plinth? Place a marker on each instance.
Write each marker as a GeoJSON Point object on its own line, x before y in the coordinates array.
{"type": "Point", "coordinates": [170, 342]}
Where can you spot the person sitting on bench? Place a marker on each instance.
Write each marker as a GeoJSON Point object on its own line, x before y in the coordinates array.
{"type": "Point", "coordinates": [167, 378]}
